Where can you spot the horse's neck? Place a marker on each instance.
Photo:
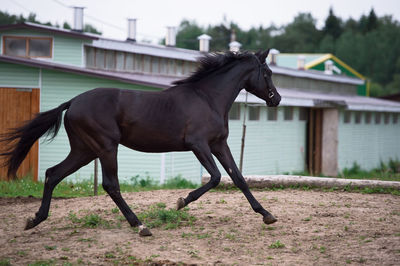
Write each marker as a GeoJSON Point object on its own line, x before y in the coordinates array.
{"type": "Point", "coordinates": [223, 88]}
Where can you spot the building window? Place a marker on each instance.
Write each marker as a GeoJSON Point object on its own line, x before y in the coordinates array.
{"type": "Point", "coordinates": [288, 113]}
{"type": "Point", "coordinates": [386, 118]}
{"type": "Point", "coordinates": [303, 114]}
{"type": "Point", "coordinates": [357, 117]}
{"type": "Point", "coordinates": [27, 46]}
{"type": "Point", "coordinates": [347, 117]}
{"type": "Point", "coordinates": [377, 118]}
{"type": "Point", "coordinates": [368, 118]}
{"type": "Point", "coordinates": [395, 118]}
{"type": "Point", "coordinates": [272, 113]}
{"type": "Point", "coordinates": [254, 113]}
{"type": "Point", "coordinates": [234, 113]}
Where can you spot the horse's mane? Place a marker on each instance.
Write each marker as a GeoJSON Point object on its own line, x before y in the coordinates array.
{"type": "Point", "coordinates": [212, 62]}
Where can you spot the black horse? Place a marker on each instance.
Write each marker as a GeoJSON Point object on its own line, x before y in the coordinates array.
{"type": "Point", "coordinates": [190, 116]}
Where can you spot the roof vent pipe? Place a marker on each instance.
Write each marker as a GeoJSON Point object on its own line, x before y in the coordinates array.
{"type": "Point", "coordinates": [204, 43]}
{"type": "Point", "coordinates": [273, 55]}
{"type": "Point", "coordinates": [78, 18]}
{"type": "Point", "coordinates": [328, 67]}
{"type": "Point", "coordinates": [301, 62]}
{"type": "Point", "coordinates": [170, 39]}
{"type": "Point", "coordinates": [131, 29]}
{"type": "Point", "coordinates": [234, 46]}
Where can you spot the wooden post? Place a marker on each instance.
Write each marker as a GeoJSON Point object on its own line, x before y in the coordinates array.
{"type": "Point", "coordinates": [243, 135]}
{"type": "Point", "coordinates": [96, 166]}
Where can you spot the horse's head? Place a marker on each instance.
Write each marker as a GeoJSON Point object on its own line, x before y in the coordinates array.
{"type": "Point", "coordinates": [260, 83]}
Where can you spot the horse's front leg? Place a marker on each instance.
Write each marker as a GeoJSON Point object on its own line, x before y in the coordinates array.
{"type": "Point", "coordinates": [203, 154]}
{"type": "Point", "coordinates": [224, 156]}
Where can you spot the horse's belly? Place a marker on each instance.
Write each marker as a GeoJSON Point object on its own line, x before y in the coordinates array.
{"type": "Point", "coordinates": [153, 142]}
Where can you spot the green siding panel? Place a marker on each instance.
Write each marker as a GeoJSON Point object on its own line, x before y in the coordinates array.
{"type": "Point", "coordinates": [271, 147]}
{"type": "Point", "coordinates": [68, 50]}
{"type": "Point", "coordinates": [367, 144]}
{"type": "Point", "coordinates": [12, 75]}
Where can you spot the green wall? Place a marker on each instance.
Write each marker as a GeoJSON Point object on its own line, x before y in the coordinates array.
{"type": "Point", "coordinates": [12, 75]}
{"type": "Point", "coordinates": [367, 144]}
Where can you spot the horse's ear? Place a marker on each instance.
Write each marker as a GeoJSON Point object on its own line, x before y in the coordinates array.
{"type": "Point", "coordinates": [262, 55]}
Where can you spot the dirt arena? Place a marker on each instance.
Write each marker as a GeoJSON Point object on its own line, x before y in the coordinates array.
{"type": "Point", "coordinates": [314, 227]}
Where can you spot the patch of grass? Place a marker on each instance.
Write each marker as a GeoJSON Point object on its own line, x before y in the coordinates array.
{"type": "Point", "coordinates": [277, 244]}
{"type": "Point", "coordinates": [158, 216]}
{"type": "Point", "coordinates": [110, 255]}
{"type": "Point", "coordinates": [42, 263]}
{"type": "Point", "coordinates": [66, 189]}
{"type": "Point", "coordinates": [385, 172]}
{"type": "Point", "coordinates": [50, 247]}
{"type": "Point", "coordinates": [5, 262]}
{"type": "Point", "coordinates": [91, 220]}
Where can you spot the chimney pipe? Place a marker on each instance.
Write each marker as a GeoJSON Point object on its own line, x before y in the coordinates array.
{"type": "Point", "coordinates": [234, 46]}
{"type": "Point", "coordinates": [78, 18]}
{"type": "Point", "coordinates": [328, 67]}
{"type": "Point", "coordinates": [170, 39]}
{"type": "Point", "coordinates": [301, 62]}
{"type": "Point", "coordinates": [273, 53]}
{"type": "Point", "coordinates": [131, 29]}
{"type": "Point", "coordinates": [204, 43]}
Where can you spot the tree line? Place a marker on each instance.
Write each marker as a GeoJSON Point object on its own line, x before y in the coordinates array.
{"type": "Point", "coordinates": [371, 44]}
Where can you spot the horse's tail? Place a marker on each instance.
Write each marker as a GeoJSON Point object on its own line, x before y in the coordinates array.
{"type": "Point", "coordinates": [20, 140]}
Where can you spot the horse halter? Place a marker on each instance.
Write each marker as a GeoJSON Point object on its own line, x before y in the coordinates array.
{"type": "Point", "coordinates": [271, 94]}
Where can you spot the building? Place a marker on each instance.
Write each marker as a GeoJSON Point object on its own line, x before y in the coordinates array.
{"type": "Point", "coordinates": [322, 124]}
{"type": "Point", "coordinates": [328, 63]}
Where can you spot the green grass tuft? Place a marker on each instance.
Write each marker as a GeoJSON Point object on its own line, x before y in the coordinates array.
{"type": "Point", "coordinates": [158, 216]}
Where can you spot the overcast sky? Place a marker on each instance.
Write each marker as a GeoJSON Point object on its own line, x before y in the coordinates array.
{"type": "Point", "coordinates": [109, 16]}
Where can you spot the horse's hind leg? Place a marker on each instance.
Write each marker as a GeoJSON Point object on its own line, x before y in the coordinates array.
{"type": "Point", "coordinates": [108, 161]}
{"type": "Point", "coordinates": [75, 160]}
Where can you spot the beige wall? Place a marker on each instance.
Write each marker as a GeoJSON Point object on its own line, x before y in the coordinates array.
{"type": "Point", "coordinates": [330, 142]}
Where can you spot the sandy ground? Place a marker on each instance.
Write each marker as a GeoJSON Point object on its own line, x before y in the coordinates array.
{"type": "Point", "coordinates": [314, 227]}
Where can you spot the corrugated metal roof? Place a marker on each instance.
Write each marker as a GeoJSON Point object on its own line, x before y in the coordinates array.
{"type": "Point", "coordinates": [294, 97]}
{"type": "Point", "coordinates": [39, 27]}
{"type": "Point", "coordinates": [148, 49]}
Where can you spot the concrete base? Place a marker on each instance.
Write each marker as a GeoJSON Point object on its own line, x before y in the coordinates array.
{"type": "Point", "coordinates": [293, 180]}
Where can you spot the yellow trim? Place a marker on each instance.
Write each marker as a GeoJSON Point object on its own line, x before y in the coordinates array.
{"type": "Point", "coordinates": [318, 61]}
{"type": "Point", "coordinates": [349, 68]}
{"type": "Point", "coordinates": [331, 56]}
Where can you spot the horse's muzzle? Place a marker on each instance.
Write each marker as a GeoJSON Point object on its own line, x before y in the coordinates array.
{"type": "Point", "coordinates": [273, 102]}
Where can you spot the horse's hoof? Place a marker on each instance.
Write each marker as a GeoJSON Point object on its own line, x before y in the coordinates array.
{"type": "Point", "coordinates": [144, 231]}
{"type": "Point", "coordinates": [269, 219]}
{"type": "Point", "coordinates": [180, 203]}
{"type": "Point", "coordinates": [29, 224]}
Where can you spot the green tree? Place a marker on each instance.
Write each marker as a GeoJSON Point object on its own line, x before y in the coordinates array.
{"type": "Point", "coordinates": [333, 25]}
{"type": "Point", "coordinates": [188, 32]}
{"type": "Point", "coordinates": [299, 36]}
